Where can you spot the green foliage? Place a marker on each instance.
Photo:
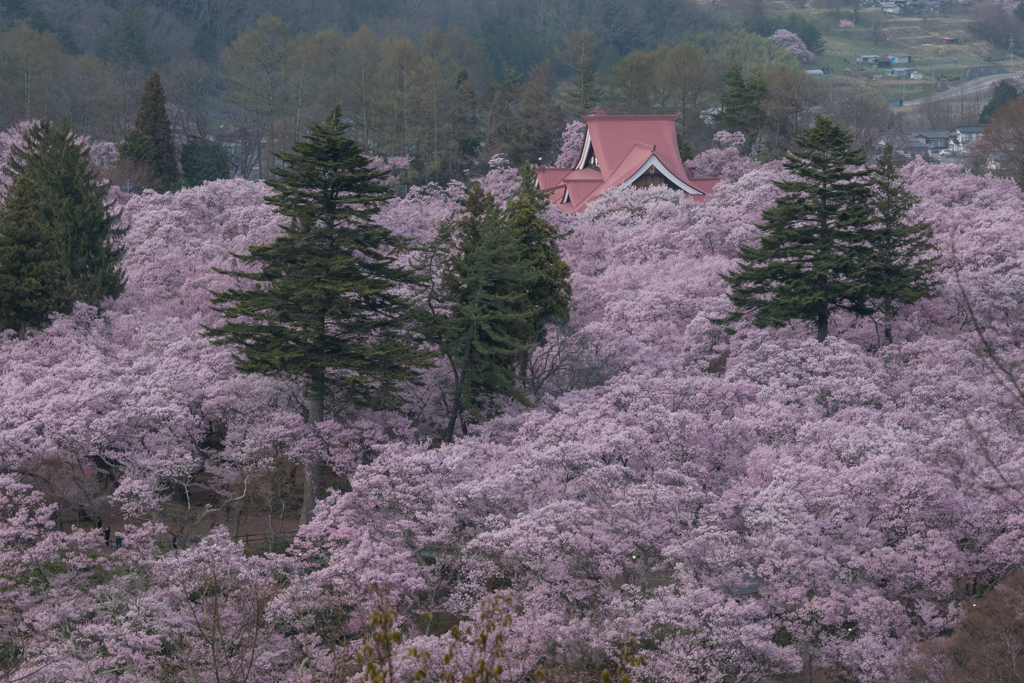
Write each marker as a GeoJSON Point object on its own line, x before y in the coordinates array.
{"type": "Point", "coordinates": [203, 160]}
{"type": "Point", "coordinates": [1004, 93]}
{"type": "Point", "coordinates": [38, 20]}
{"type": "Point", "coordinates": [539, 120]}
{"type": "Point", "coordinates": [902, 274]}
{"type": "Point", "coordinates": [34, 274]}
{"type": "Point", "coordinates": [152, 121]}
{"type": "Point", "coordinates": [137, 147]}
{"type": "Point", "coordinates": [631, 83]}
{"type": "Point", "coordinates": [324, 307]}
{"type": "Point", "coordinates": [463, 138]}
{"type": "Point", "coordinates": [831, 243]}
{"type": "Point", "coordinates": [130, 46]}
{"type": "Point", "coordinates": [582, 53]}
{"type": "Point", "coordinates": [502, 283]}
{"type": "Point", "coordinates": [795, 23]}
{"type": "Point", "coordinates": [508, 47]}
{"type": "Point", "coordinates": [741, 101]}
{"type": "Point", "coordinates": [754, 52]}
{"type": "Point", "coordinates": [72, 203]}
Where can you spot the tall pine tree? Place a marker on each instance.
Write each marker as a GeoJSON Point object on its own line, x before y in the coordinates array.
{"type": "Point", "coordinates": [741, 102]}
{"type": "Point", "coordinates": [817, 253]}
{"type": "Point", "coordinates": [503, 282]}
{"type": "Point", "coordinates": [903, 271]}
{"type": "Point", "coordinates": [152, 121]}
{"type": "Point", "coordinates": [325, 307]}
{"type": "Point", "coordinates": [34, 276]}
{"type": "Point", "coordinates": [71, 202]}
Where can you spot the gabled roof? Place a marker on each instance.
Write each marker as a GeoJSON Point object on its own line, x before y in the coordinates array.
{"type": "Point", "coordinates": [970, 129]}
{"type": "Point", "coordinates": [624, 148]}
{"type": "Point", "coordinates": [932, 134]}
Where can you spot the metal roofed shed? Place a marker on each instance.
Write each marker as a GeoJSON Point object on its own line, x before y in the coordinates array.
{"type": "Point", "coordinates": [899, 58]}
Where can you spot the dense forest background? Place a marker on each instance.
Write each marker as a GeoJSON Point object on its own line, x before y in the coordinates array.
{"type": "Point", "coordinates": [446, 83]}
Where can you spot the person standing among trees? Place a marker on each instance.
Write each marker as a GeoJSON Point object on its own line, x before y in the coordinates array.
{"type": "Point", "coordinates": [325, 308]}
{"type": "Point", "coordinates": [832, 242]}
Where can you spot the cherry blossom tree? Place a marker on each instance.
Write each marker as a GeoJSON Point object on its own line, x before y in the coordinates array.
{"type": "Point", "coordinates": [742, 507]}
{"type": "Point", "coordinates": [790, 42]}
{"type": "Point", "coordinates": [573, 137]}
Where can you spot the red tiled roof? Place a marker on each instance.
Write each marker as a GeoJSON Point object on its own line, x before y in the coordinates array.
{"type": "Point", "coordinates": [622, 146]}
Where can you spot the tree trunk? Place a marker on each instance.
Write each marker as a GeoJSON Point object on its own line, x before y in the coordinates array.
{"type": "Point", "coordinates": [449, 433]}
{"type": "Point", "coordinates": [822, 326]}
{"type": "Point", "coordinates": [314, 470]}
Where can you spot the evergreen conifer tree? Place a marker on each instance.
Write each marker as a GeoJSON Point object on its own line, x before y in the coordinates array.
{"type": "Point", "coordinates": [741, 102]}
{"type": "Point", "coordinates": [1003, 93]}
{"type": "Point", "coordinates": [137, 148]}
{"type": "Point", "coordinates": [202, 160]}
{"type": "Point", "coordinates": [903, 271]}
{"type": "Point", "coordinates": [325, 308]}
{"type": "Point", "coordinates": [72, 203]}
{"type": "Point", "coordinates": [819, 252]}
{"type": "Point", "coordinates": [152, 121]}
{"type": "Point", "coordinates": [33, 265]}
{"type": "Point", "coordinates": [503, 282]}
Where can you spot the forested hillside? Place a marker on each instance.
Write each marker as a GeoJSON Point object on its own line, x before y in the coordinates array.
{"type": "Point", "coordinates": [638, 487]}
{"type": "Point", "coordinates": [303, 379]}
{"type": "Point", "coordinates": [448, 85]}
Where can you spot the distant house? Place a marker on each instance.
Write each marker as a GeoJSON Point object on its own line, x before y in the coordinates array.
{"type": "Point", "coordinates": [963, 135]}
{"type": "Point", "coordinates": [934, 139]}
{"type": "Point", "coordinates": [996, 161]}
{"type": "Point", "coordinates": [950, 40]}
{"type": "Point", "coordinates": [905, 145]}
{"type": "Point", "coordinates": [815, 72]}
{"type": "Point", "coordinates": [618, 152]}
{"type": "Point", "coordinates": [899, 58]}
{"type": "Point", "coordinates": [891, 8]}
{"type": "Point", "coordinates": [899, 72]}
{"type": "Point", "coordinates": [867, 59]}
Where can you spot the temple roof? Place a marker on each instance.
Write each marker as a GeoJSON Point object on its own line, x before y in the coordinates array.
{"type": "Point", "coordinates": [617, 151]}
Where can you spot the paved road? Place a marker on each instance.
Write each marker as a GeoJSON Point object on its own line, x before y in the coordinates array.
{"type": "Point", "coordinates": [968, 88]}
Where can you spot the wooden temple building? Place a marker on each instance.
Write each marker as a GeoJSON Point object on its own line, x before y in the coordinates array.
{"type": "Point", "coordinates": [618, 152]}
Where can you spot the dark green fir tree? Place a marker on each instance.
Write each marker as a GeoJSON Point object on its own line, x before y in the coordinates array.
{"type": "Point", "coordinates": [741, 102]}
{"type": "Point", "coordinates": [1003, 93]}
{"type": "Point", "coordinates": [203, 160]}
{"type": "Point", "coordinates": [136, 148]}
{"type": "Point", "coordinates": [151, 120]}
{"type": "Point", "coordinates": [325, 306]}
{"type": "Point", "coordinates": [34, 277]}
{"type": "Point", "coordinates": [72, 203]}
{"type": "Point", "coordinates": [905, 258]}
{"type": "Point", "coordinates": [503, 281]}
{"type": "Point", "coordinates": [817, 252]}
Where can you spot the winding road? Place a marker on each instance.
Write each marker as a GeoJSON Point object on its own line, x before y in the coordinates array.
{"type": "Point", "coordinates": [968, 88]}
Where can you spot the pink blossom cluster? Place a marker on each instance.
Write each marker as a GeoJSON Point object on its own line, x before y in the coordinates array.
{"type": "Point", "coordinates": [791, 43]}
{"type": "Point", "coordinates": [725, 161]}
{"type": "Point", "coordinates": [573, 138]}
{"type": "Point", "coordinates": [740, 504]}
{"type": "Point", "coordinates": [845, 23]}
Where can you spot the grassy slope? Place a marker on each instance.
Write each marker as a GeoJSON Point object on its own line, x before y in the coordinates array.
{"type": "Point", "coordinates": [921, 38]}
